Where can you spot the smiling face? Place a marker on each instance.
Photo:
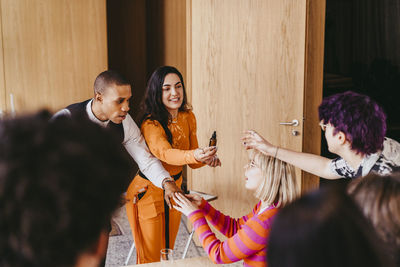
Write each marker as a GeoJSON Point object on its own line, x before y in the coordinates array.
{"type": "Point", "coordinates": [254, 175]}
{"type": "Point", "coordinates": [115, 102]}
{"type": "Point", "coordinates": [172, 93]}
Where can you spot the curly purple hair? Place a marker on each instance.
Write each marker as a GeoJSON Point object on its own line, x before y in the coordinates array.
{"type": "Point", "coordinates": [359, 117]}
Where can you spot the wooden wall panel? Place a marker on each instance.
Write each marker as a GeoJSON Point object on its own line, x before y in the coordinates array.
{"type": "Point", "coordinates": [53, 50]}
{"type": "Point", "coordinates": [2, 81]}
{"type": "Point", "coordinates": [166, 34]}
{"type": "Point", "coordinates": [143, 35]}
{"type": "Point", "coordinates": [247, 72]}
{"type": "Point", "coordinates": [175, 34]}
{"type": "Point", "coordinates": [189, 49]}
{"type": "Point", "coordinates": [126, 20]}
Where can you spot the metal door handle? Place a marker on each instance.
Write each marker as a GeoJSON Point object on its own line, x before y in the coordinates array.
{"type": "Point", "coordinates": [12, 105]}
{"type": "Point", "coordinates": [292, 123]}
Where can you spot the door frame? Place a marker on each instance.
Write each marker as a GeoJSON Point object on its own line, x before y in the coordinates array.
{"type": "Point", "coordinates": [313, 84]}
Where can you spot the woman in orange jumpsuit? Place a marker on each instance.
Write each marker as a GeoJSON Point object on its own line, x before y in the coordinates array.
{"type": "Point", "coordinates": [169, 128]}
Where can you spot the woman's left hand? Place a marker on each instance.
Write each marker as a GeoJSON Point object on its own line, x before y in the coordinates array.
{"type": "Point", "coordinates": [202, 154]}
{"type": "Point", "coordinates": [183, 204]}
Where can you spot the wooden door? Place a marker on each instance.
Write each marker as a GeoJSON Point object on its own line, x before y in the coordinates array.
{"type": "Point", "coordinates": [2, 81]}
{"type": "Point", "coordinates": [249, 66]}
{"type": "Point", "coordinates": [53, 51]}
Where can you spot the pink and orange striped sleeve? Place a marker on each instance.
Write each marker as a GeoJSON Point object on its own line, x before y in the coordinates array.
{"type": "Point", "coordinates": [246, 236]}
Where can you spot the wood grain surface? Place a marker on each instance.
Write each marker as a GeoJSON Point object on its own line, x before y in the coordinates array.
{"type": "Point", "coordinates": [53, 51]}
{"type": "Point", "coordinates": [247, 72]}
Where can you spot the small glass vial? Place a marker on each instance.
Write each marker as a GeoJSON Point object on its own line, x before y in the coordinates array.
{"type": "Point", "coordinates": [213, 139]}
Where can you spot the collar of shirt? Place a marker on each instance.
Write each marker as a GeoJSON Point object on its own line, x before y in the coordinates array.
{"type": "Point", "coordinates": [369, 162]}
{"type": "Point", "coordinates": [92, 117]}
{"type": "Point", "coordinates": [365, 166]}
{"type": "Point", "coordinates": [265, 208]}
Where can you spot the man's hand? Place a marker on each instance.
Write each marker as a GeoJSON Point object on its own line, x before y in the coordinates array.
{"type": "Point", "coordinates": [213, 161]}
{"type": "Point", "coordinates": [169, 189]}
{"type": "Point", "coordinates": [194, 198]}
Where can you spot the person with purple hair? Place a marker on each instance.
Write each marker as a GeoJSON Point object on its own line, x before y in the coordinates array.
{"type": "Point", "coordinates": [355, 128]}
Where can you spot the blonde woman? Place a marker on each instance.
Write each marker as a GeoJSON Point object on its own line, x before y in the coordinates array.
{"type": "Point", "coordinates": [273, 183]}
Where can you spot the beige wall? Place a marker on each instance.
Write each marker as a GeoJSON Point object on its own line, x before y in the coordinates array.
{"type": "Point", "coordinates": [2, 81]}
{"type": "Point", "coordinates": [52, 51]}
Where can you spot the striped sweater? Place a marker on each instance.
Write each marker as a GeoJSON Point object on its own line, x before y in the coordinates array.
{"type": "Point", "coordinates": [247, 236]}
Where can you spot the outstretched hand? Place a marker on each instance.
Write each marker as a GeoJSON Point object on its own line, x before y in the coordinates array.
{"type": "Point", "coordinates": [183, 204]}
{"type": "Point", "coordinates": [194, 198]}
{"type": "Point", "coordinates": [204, 154]}
{"type": "Point", "coordinates": [252, 140]}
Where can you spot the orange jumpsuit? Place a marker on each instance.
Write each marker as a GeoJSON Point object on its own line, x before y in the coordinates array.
{"type": "Point", "coordinates": [145, 206]}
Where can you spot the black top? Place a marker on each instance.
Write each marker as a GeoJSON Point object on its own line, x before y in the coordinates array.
{"type": "Point", "coordinates": [80, 109]}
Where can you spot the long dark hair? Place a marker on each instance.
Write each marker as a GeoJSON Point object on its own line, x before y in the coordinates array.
{"type": "Point", "coordinates": [152, 106]}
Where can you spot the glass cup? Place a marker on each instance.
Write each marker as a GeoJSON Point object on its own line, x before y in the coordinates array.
{"type": "Point", "coordinates": [167, 255]}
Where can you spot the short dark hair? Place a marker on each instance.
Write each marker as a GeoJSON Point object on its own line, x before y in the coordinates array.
{"type": "Point", "coordinates": [60, 181]}
{"type": "Point", "coordinates": [359, 117]}
{"type": "Point", "coordinates": [152, 106]}
{"type": "Point", "coordinates": [108, 78]}
{"type": "Point", "coordinates": [322, 228]}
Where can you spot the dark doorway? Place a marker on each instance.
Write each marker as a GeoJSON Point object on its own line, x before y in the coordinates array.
{"type": "Point", "coordinates": [362, 40]}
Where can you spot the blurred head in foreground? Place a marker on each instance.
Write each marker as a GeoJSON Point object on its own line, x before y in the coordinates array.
{"type": "Point", "coordinates": [60, 182]}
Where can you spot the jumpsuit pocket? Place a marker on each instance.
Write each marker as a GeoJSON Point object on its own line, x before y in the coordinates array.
{"type": "Point", "coordinates": [151, 204]}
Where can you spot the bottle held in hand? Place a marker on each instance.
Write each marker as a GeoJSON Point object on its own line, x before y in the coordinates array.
{"type": "Point", "coordinates": [213, 139]}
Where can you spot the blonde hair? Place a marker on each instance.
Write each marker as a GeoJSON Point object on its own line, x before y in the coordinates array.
{"type": "Point", "coordinates": [279, 186]}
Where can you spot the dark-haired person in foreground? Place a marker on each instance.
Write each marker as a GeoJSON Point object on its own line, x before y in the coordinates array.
{"type": "Point", "coordinates": [59, 185]}
{"type": "Point", "coordinates": [323, 228]}
{"type": "Point", "coordinates": [355, 128]}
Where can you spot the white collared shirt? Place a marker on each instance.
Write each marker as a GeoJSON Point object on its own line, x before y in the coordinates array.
{"type": "Point", "coordinates": [134, 143]}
